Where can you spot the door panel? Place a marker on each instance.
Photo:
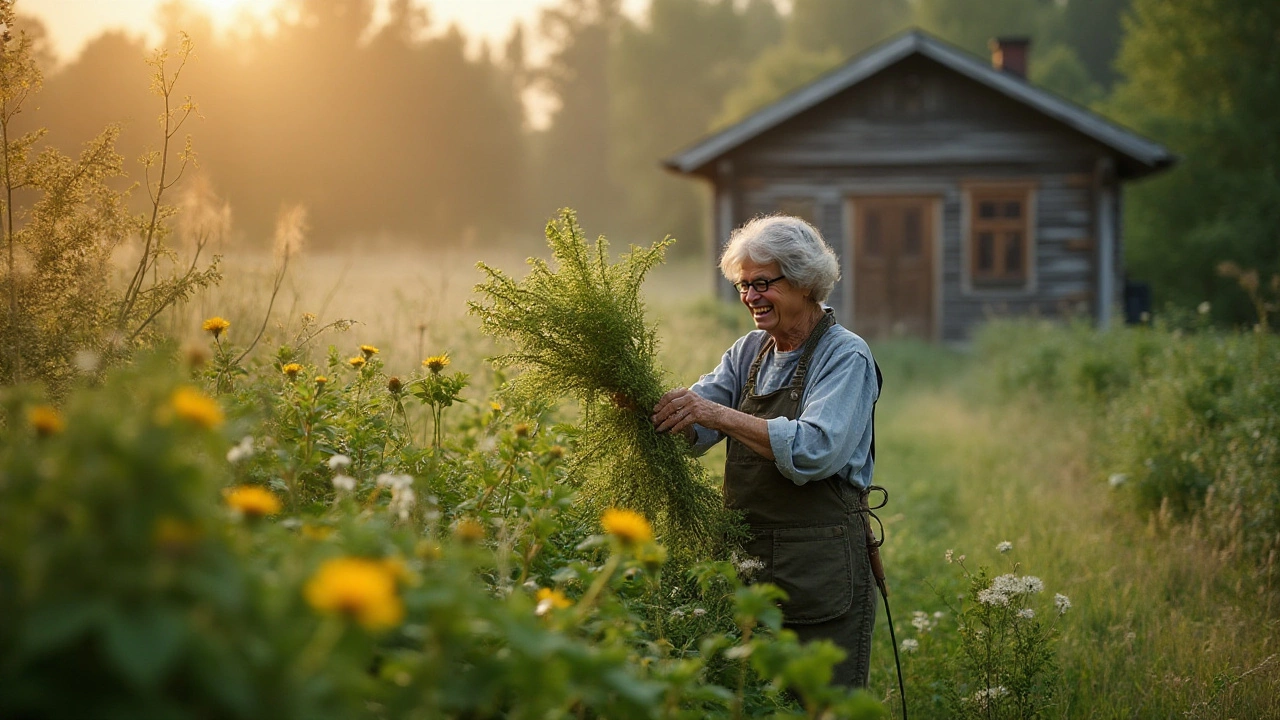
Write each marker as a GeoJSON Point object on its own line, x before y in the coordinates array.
{"type": "Point", "coordinates": [893, 266]}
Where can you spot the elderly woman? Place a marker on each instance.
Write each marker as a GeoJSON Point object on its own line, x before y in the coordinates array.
{"type": "Point", "coordinates": [794, 397]}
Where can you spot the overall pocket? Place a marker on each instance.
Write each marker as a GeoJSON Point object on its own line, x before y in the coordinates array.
{"type": "Point", "coordinates": [814, 566]}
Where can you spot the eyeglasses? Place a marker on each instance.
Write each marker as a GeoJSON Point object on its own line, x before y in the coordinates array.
{"type": "Point", "coordinates": [761, 286]}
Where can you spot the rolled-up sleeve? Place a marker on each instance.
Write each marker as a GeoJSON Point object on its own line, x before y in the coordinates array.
{"type": "Point", "coordinates": [720, 386]}
{"type": "Point", "coordinates": [834, 426]}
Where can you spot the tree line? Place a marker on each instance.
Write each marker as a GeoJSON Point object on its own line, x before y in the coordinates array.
{"type": "Point", "coordinates": [410, 131]}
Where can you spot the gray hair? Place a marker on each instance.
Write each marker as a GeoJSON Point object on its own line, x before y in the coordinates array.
{"type": "Point", "coordinates": [806, 260]}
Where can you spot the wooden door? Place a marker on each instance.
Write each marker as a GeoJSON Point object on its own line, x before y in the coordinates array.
{"type": "Point", "coordinates": [893, 286]}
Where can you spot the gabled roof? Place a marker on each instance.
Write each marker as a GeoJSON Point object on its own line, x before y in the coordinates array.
{"type": "Point", "coordinates": [1148, 154]}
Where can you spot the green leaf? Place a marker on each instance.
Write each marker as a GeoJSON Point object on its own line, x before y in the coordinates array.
{"type": "Point", "coordinates": [52, 626]}
{"type": "Point", "coordinates": [144, 642]}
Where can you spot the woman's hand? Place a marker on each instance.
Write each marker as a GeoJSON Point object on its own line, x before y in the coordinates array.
{"type": "Point", "coordinates": [679, 409]}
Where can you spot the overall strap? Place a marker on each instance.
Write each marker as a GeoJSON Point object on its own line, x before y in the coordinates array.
{"type": "Point", "coordinates": [802, 369]}
{"type": "Point", "coordinates": [879, 386]}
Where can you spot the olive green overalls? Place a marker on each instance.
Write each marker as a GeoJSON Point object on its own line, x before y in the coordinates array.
{"type": "Point", "coordinates": [811, 537]}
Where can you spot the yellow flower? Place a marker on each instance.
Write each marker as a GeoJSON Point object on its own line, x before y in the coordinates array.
{"type": "Point", "coordinates": [321, 380]}
{"type": "Point", "coordinates": [469, 531]}
{"type": "Point", "coordinates": [495, 406]}
{"type": "Point", "coordinates": [253, 500]}
{"type": "Point", "coordinates": [46, 420]}
{"type": "Point", "coordinates": [436, 363]}
{"type": "Point", "coordinates": [549, 599]}
{"type": "Point", "coordinates": [362, 589]}
{"type": "Point", "coordinates": [629, 527]}
{"type": "Point", "coordinates": [291, 369]}
{"type": "Point", "coordinates": [368, 350]}
{"type": "Point", "coordinates": [356, 362]}
{"type": "Point", "coordinates": [315, 532]}
{"type": "Point", "coordinates": [194, 406]}
{"type": "Point", "coordinates": [215, 325]}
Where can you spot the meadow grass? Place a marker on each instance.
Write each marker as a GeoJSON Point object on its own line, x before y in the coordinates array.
{"type": "Point", "coordinates": [1161, 625]}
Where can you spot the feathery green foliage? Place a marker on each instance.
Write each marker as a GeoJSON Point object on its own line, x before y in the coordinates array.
{"type": "Point", "coordinates": [579, 329]}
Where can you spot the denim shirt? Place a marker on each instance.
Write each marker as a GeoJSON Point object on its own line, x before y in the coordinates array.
{"type": "Point", "coordinates": [832, 436]}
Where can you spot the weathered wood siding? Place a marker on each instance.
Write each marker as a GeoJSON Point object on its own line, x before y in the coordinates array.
{"type": "Point", "coordinates": [919, 129]}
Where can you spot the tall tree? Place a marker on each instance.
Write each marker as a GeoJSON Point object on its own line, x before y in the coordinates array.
{"type": "Point", "coordinates": [849, 26]}
{"type": "Point", "coordinates": [574, 151]}
{"type": "Point", "coordinates": [671, 72]}
{"type": "Point", "coordinates": [1203, 76]}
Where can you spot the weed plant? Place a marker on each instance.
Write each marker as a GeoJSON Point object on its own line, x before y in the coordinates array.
{"type": "Point", "coordinates": [579, 329]}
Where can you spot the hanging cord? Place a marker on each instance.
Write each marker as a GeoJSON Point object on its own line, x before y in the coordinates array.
{"type": "Point", "coordinates": [877, 569]}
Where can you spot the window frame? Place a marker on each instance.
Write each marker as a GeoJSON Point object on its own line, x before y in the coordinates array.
{"type": "Point", "coordinates": [1000, 282]}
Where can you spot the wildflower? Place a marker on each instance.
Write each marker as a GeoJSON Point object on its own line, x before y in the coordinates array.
{"type": "Point", "coordinates": [982, 697]}
{"type": "Point", "coordinates": [556, 452]}
{"type": "Point", "coordinates": [87, 361]}
{"type": "Point", "coordinates": [339, 462]}
{"type": "Point", "coordinates": [990, 596]}
{"type": "Point", "coordinates": [394, 482]}
{"type": "Point", "coordinates": [921, 622]}
{"type": "Point", "coordinates": [747, 566]}
{"type": "Point", "coordinates": [368, 350]}
{"type": "Point", "coordinates": [215, 326]}
{"type": "Point", "coordinates": [1031, 584]}
{"type": "Point", "coordinates": [362, 589]}
{"type": "Point", "coordinates": [1117, 479]}
{"type": "Point", "coordinates": [356, 362]}
{"type": "Point", "coordinates": [241, 451]}
{"type": "Point", "coordinates": [402, 501]}
{"type": "Point", "coordinates": [436, 363]}
{"type": "Point", "coordinates": [628, 526]}
{"type": "Point", "coordinates": [468, 531]}
{"type": "Point", "coordinates": [315, 532]}
{"type": "Point", "coordinates": [195, 407]}
{"type": "Point", "coordinates": [549, 600]}
{"type": "Point", "coordinates": [495, 406]}
{"type": "Point", "coordinates": [344, 483]}
{"type": "Point", "coordinates": [910, 645]}
{"type": "Point", "coordinates": [320, 381]}
{"type": "Point", "coordinates": [46, 420]}
{"type": "Point", "coordinates": [1026, 613]}
{"type": "Point", "coordinates": [522, 430]}
{"type": "Point", "coordinates": [677, 613]}
{"type": "Point", "coordinates": [1062, 603]}
{"type": "Point", "coordinates": [699, 612]}
{"type": "Point", "coordinates": [948, 556]}
{"type": "Point", "coordinates": [394, 386]}
{"type": "Point", "coordinates": [291, 370]}
{"type": "Point", "coordinates": [960, 559]}
{"type": "Point", "coordinates": [252, 500]}
{"type": "Point", "coordinates": [1004, 547]}
{"type": "Point", "coordinates": [1203, 308]}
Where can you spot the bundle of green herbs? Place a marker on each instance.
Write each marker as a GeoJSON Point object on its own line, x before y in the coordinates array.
{"type": "Point", "coordinates": [579, 330]}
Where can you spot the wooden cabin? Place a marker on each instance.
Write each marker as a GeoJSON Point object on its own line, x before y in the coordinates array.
{"type": "Point", "coordinates": [952, 189]}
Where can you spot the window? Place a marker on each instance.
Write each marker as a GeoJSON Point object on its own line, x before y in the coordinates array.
{"type": "Point", "coordinates": [999, 233]}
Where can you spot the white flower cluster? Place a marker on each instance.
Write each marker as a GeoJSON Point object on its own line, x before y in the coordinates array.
{"type": "Point", "coordinates": [910, 645]}
{"type": "Point", "coordinates": [922, 622]}
{"type": "Point", "coordinates": [1004, 547]}
{"type": "Point", "coordinates": [986, 695]}
{"type": "Point", "coordinates": [1062, 602]}
{"type": "Point", "coordinates": [1007, 586]}
{"type": "Point", "coordinates": [342, 482]}
{"type": "Point", "coordinates": [241, 451]}
{"type": "Point", "coordinates": [402, 496]}
{"type": "Point", "coordinates": [747, 566]}
{"type": "Point", "coordinates": [1026, 613]}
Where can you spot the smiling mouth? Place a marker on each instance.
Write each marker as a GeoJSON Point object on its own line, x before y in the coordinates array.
{"type": "Point", "coordinates": [761, 311]}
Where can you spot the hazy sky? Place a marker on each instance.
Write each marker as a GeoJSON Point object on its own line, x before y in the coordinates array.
{"type": "Point", "coordinates": [72, 22]}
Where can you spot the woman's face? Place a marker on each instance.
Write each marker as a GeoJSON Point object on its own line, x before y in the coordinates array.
{"type": "Point", "coordinates": [779, 310]}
